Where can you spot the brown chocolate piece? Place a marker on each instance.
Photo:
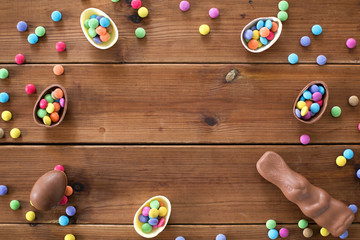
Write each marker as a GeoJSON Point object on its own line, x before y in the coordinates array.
{"type": "Point", "coordinates": [314, 202]}
{"type": "Point", "coordinates": [48, 190]}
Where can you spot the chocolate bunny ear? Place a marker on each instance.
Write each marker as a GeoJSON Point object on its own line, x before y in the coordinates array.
{"type": "Point", "coordinates": [314, 202]}
{"type": "Point", "coordinates": [48, 190]}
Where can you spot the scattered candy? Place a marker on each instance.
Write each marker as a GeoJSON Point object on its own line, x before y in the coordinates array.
{"type": "Point", "coordinates": [32, 38]}
{"type": "Point", "coordinates": [204, 29]}
{"type": "Point", "coordinates": [3, 73]}
{"type": "Point", "coordinates": [136, 4]}
{"type": "Point", "coordinates": [140, 32]}
{"type": "Point", "coordinates": [348, 154]}
{"type": "Point", "coordinates": [19, 59]}
{"type": "Point", "coordinates": [70, 236]}
{"type": "Point", "coordinates": [63, 201]}
{"type": "Point", "coordinates": [68, 191]}
{"type": "Point", "coordinates": [152, 216]}
{"type": "Point", "coordinates": [220, 237]}
{"type": "Point", "coordinates": [270, 224]}
{"type": "Point", "coordinates": [6, 115]}
{"type": "Point", "coordinates": [180, 238]}
{"type": "Point", "coordinates": [2, 133]}
{"type": "Point", "coordinates": [303, 223]}
{"type": "Point", "coordinates": [353, 208]}
{"type": "Point", "coordinates": [344, 235]}
{"type": "Point", "coordinates": [283, 232]}
{"type": "Point", "coordinates": [14, 204]}
{"type": "Point", "coordinates": [56, 16]}
{"type": "Point", "coordinates": [40, 31]}
{"type": "Point", "coordinates": [316, 29]}
{"type": "Point", "coordinates": [351, 43]}
{"type": "Point", "coordinates": [321, 60]}
{"type": "Point", "coordinates": [305, 41]}
{"type": "Point", "coordinates": [305, 139]}
{"type": "Point", "coordinates": [282, 16]}
{"type": "Point", "coordinates": [336, 111]}
{"type": "Point", "coordinates": [358, 173]}
{"type": "Point", "coordinates": [4, 97]}
{"type": "Point", "coordinates": [30, 89]}
{"type": "Point", "coordinates": [30, 216]}
{"type": "Point", "coordinates": [59, 167]}
{"type": "Point", "coordinates": [214, 12]}
{"type": "Point", "coordinates": [308, 233]}
{"type": "Point", "coordinates": [63, 220]}
{"type": "Point", "coordinates": [60, 46]}
{"type": "Point", "coordinates": [324, 232]}
{"type": "Point", "coordinates": [70, 211]}
{"type": "Point", "coordinates": [273, 234]}
{"type": "Point", "coordinates": [184, 6]}
{"type": "Point", "coordinates": [21, 26]}
{"type": "Point", "coordinates": [3, 190]}
{"type": "Point", "coordinates": [353, 101]}
{"type": "Point", "coordinates": [58, 69]}
{"type": "Point", "coordinates": [15, 133]}
{"type": "Point", "coordinates": [283, 5]}
{"type": "Point", "coordinates": [341, 161]}
{"type": "Point", "coordinates": [143, 12]}
{"type": "Point", "coordinates": [293, 58]}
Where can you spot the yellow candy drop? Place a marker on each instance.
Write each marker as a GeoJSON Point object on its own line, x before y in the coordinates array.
{"type": "Point", "coordinates": [6, 115]}
{"type": "Point", "coordinates": [260, 44]}
{"type": "Point", "coordinates": [324, 232]}
{"type": "Point", "coordinates": [304, 111]}
{"type": "Point", "coordinates": [143, 12]}
{"type": "Point", "coordinates": [69, 237]}
{"type": "Point", "coordinates": [30, 216]}
{"type": "Point", "coordinates": [50, 108]}
{"type": "Point", "coordinates": [204, 29]}
{"type": "Point", "coordinates": [341, 161]}
{"type": "Point", "coordinates": [300, 104]}
{"type": "Point", "coordinates": [47, 120]}
{"type": "Point", "coordinates": [15, 133]}
{"type": "Point", "coordinates": [256, 35]}
{"type": "Point", "coordinates": [162, 211]}
{"type": "Point", "coordinates": [154, 213]}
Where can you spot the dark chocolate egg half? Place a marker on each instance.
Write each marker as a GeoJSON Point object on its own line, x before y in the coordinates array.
{"type": "Point", "coordinates": [48, 190]}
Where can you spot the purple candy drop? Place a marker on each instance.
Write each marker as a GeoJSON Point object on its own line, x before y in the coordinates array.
{"type": "Point", "coordinates": [97, 40]}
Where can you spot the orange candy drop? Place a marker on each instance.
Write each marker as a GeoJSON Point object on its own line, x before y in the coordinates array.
{"type": "Point", "coordinates": [253, 44]}
{"type": "Point", "coordinates": [54, 117]}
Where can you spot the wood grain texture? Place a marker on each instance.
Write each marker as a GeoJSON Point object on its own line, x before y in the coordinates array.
{"type": "Point", "coordinates": [190, 232]}
{"type": "Point", "coordinates": [205, 184]}
{"type": "Point", "coordinates": [182, 104]}
{"type": "Point", "coordinates": [172, 36]}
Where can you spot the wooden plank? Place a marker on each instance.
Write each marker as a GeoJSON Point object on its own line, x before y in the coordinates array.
{"type": "Point", "coordinates": [190, 232]}
{"type": "Point", "coordinates": [213, 184]}
{"type": "Point", "coordinates": [182, 104]}
{"type": "Point", "coordinates": [172, 36]}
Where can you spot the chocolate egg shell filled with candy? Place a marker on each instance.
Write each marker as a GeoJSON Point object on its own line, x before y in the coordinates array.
{"type": "Point", "coordinates": [325, 99]}
{"type": "Point", "coordinates": [48, 190]}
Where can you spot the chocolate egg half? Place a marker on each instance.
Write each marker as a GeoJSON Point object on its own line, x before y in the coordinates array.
{"type": "Point", "coordinates": [48, 190]}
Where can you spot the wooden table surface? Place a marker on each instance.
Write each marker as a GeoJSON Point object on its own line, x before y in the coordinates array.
{"type": "Point", "coordinates": [157, 116]}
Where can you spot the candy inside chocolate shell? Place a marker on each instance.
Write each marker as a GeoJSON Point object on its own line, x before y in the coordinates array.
{"type": "Point", "coordinates": [48, 190]}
